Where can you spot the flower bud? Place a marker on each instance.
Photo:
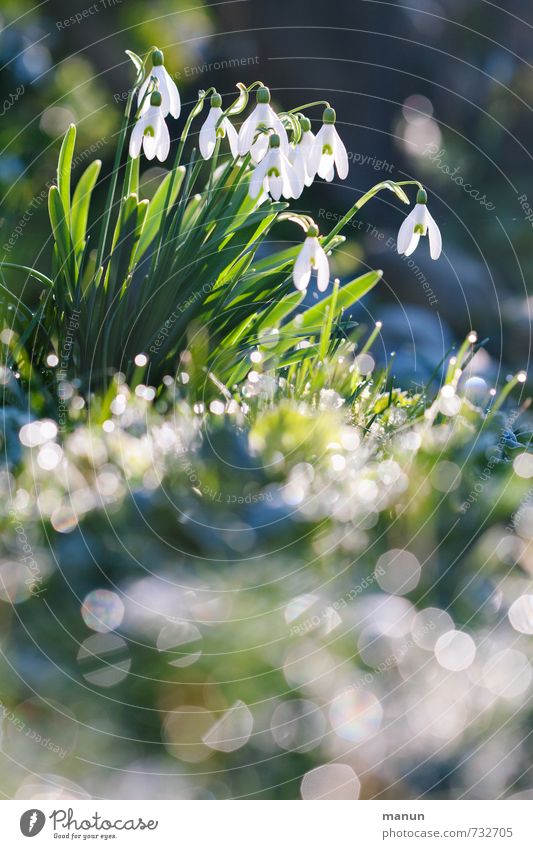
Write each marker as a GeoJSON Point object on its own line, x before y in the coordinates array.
{"type": "Point", "coordinates": [274, 140]}
{"type": "Point", "coordinates": [305, 124]}
{"type": "Point", "coordinates": [312, 232]}
{"type": "Point", "coordinates": [155, 99]}
{"type": "Point", "coordinates": [216, 100]}
{"type": "Point", "coordinates": [157, 57]}
{"type": "Point", "coordinates": [421, 196]}
{"type": "Point", "coordinates": [329, 116]}
{"type": "Point", "coordinates": [263, 95]}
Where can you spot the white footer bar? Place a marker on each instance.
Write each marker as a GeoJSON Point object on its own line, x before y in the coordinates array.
{"type": "Point", "coordinates": [268, 824]}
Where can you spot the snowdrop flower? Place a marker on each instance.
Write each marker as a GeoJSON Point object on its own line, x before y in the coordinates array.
{"type": "Point", "coordinates": [274, 174]}
{"type": "Point", "coordinates": [300, 153]}
{"type": "Point", "coordinates": [328, 150]}
{"type": "Point", "coordinates": [166, 86]}
{"type": "Point", "coordinates": [312, 256]}
{"type": "Point", "coordinates": [209, 131]}
{"type": "Point", "coordinates": [151, 132]}
{"type": "Point", "coordinates": [263, 117]}
{"type": "Point", "coordinates": [418, 223]}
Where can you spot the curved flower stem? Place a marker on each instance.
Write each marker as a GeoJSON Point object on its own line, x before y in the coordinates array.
{"type": "Point", "coordinates": [456, 363]}
{"type": "Point", "coordinates": [234, 108]}
{"type": "Point", "coordinates": [114, 177]}
{"type": "Point", "coordinates": [387, 184]}
{"type": "Point", "coordinates": [507, 389]}
{"type": "Point", "coordinates": [192, 115]}
{"type": "Point", "coordinates": [197, 108]}
{"type": "Point", "coordinates": [325, 103]}
{"type": "Point", "coordinates": [214, 163]}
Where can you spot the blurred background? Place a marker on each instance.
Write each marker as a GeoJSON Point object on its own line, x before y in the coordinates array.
{"type": "Point", "coordinates": [181, 643]}
{"type": "Point", "coordinates": [436, 90]}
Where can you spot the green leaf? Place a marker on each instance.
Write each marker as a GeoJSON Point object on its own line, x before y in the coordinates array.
{"type": "Point", "coordinates": [126, 236]}
{"type": "Point", "coordinates": [81, 200]}
{"type": "Point", "coordinates": [398, 191]}
{"type": "Point", "coordinates": [163, 199]}
{"type": "Point", "coordinates": [280, 310]}
{"type": "Point", "coordinates": [138, 62]}
{"type": "Point", "coordinates": [311, 320]}
{"type": "Point", "coordinates": [64, 167]}
{"type": "Point", "coordinates": [32, 272]}
{"type": "Point", "coordinates": [62, 236]}
{"type": "Point", "coordinates": [240, 104]}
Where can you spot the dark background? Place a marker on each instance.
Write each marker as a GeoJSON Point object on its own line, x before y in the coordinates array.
{"type": "Point", "coordinates": [420, 88]}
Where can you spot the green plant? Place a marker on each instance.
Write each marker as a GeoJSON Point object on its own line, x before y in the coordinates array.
{"type": "Point", "coordinates": [196, 266]}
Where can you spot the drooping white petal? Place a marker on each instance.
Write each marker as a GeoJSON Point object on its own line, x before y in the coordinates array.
{"type": "Point", "coordinates": [306, 142]}
{"type": "Point", "coordinates": [208, 137]}
{"type": "Point", "coordinates": [322, 267]}
{"type": "Point", "coordinates": [435, 238]}
{"type": "Point", "coordinates": [150, 129]}
{"type": "Point", "coordinates": [420, 215]}
{"type": "Point", "coordinates": [233, 137]}
{"type": "Point", "coordinates": [143, 89]}
{"type": "Point", "coordinates": [136, 139]}
{"type": "Point", "coordinates": [276, 179]}
{"type": "Point", "coordinates": [257, 179]}
{"type": "Point", "coordinates": [406, 231]}
{"type": "Point", "coordinates": [315, 155]}
{"type": "Point", "coordinates": [340, 155]}
{"type": "Point", "coordinates": [297, 160]}
{"type": "Point", "coordinates": [149, 146]}
{"type": "Point", "coordinates": [327, 159]}
{"type": "Point", "coordinates": [259, 147]}
{"type": "Point", "coordinates": [292, 184]}
{"type": "Point", "coordinates": [172, 96]}
{"type": "Point", "coordinates": [306, 145]}
{"type": "Point", "coordinates": [277, 125]}
{"type": "Point", "coordinates": [275, 186]}
{"type": "Point", "coordinates": [327, 171]}
{"type": "Point", "coordinates": [247, 132]}
{"type": "Point", "coordinates": [162, 140]}
{"type": "Point", "coordinates": [413, 244]}
{"type": "Point", "coordinates": [301, 273]}
{"type": "Point", "coordinates": [259, 117]}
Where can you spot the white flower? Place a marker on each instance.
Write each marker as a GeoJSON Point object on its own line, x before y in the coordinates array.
{"type": "Point", "coordinates": [170, 98]}
{"type": "Point", "coordinates": [328, 151]}
{"type": "Point", "coordinates": [208, 133]}
{"type": "Point", "coordinates": [312, 256]}
{"type": "Point", "coordinates": [263, 117]}
{"type": "Point", "coordinates": [301, 152]}
{"type": "Point", "coordinates": [274, 174]}
{"type": "Point", "coordinates": [151, 132]}
{"type": "Point", "coordinates": [418, 223]}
